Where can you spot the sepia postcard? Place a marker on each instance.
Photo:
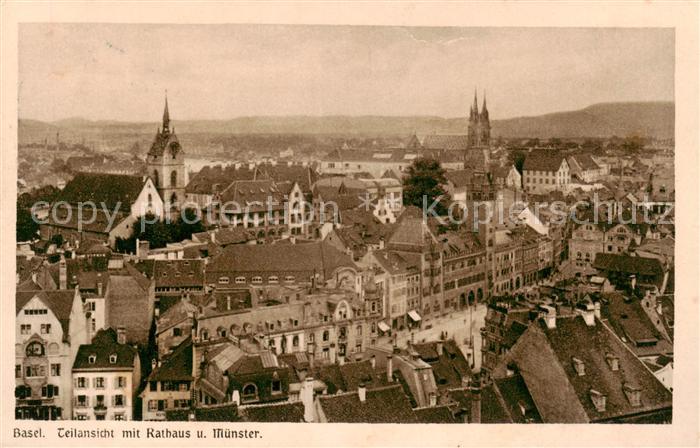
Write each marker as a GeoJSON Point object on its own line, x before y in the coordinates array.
{"type": "Point", "coordinates": [336, 224]}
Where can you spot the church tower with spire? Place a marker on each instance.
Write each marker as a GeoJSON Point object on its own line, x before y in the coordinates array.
{"type": "Point", "coordinates": [479, 128]}
{"type": "Point", "coordinates": [166, 164]}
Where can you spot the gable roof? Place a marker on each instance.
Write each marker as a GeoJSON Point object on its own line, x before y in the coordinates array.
{"type": "Point", "coordinates": [177, 366]}
{"type": "Point", "coordinates": [107, 189]}
{"type": "Point", "coordinates": [446, 141]}
{"type": "Point", "coordinates": [284, 412]}
{"type": "Point", "coordinates": [627, 264]}
{"type": "Point", "coordinates": [211, 179]}
{"type": "Point", "coordinates": [543, 160]}
{"type": "Point", "coordinates": [60, 302]}
{"type": "Point", "coordinates": [382, 405]}
{"type": "Point", "coordinates": [321, 257]}
{"type": "Point", "coordinates": [103, 346]}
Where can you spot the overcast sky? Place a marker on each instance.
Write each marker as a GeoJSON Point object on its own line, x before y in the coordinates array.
{"type": "Point", "coordinates": [108, 71]}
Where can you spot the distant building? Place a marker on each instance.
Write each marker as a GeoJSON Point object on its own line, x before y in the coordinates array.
{"type": "Point", "coordinates": [166, 164]}
{"type": "Point", "coordinates": [545, 171]}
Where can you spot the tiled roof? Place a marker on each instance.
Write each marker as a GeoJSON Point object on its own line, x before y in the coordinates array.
{"type": "Point", "coordinates": [108, 189]}
{"type": "Point", "coordinates": [383, 405]}
{"type": "Point", "coordinates": [627, 264]}
{"type": "Point", "coordinates": [517, 399]}
{"type": "Point", "coordinates": [177, 366]}
{"type": "Point", "coordinates": [103, 346]}
{"type": "Point", "coordinates": [436, 414]}
{"type": "Point", "coordinates": [256, 194]}
{"type": "Point", "coordinates": [128, 305]}
{"type": "Point", "coordinates": [544, 358]}
{"type": "Point", "coordinates": [304, 176]}
{"type": "Point", "coordinates": [320, 257]}
{"type": "Point", "coordinates": [543, 160]}
{"type": "Point", "coordinates": [211, 179]}
{"type": "Point", "coordinates": [585, 161]}
{"type": "Point", "coordinates": [274, 413]}
{"type": "Point", "coordinates": [448, 142]}
{"type": "Point", "coordinates": [449, 367]}
{"type": "Point", "coordinates": [179, 273]}
{"type": "Point", "coordinates": [460, 178]}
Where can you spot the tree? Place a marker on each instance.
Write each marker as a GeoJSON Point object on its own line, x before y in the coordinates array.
{"type": "Point", "coordinates": [517, 158]}
{"type": "Point", "coordinates": [424, 179]}
{"type": "Point", "coordinates": [188, 223]}
{"type": "Point", "coordinates": [27, 227]}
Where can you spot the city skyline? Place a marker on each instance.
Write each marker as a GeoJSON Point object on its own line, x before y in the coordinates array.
{"type": "Point", "coordinates": [277, 70]}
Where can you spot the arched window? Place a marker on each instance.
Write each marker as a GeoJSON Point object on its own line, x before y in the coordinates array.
{"type": "Point", "coordinates": [479, 294]}
{"type": "Point", "coordinates": [173, 179]}
{"type": "Point", "coordinates": [35, 349]}
{"type": "Point", "coordinates": [173, 199]}
{"type": "Point", "coordinates": [249, 392]}
{"type": "Point", "coordinates": [150, 199]}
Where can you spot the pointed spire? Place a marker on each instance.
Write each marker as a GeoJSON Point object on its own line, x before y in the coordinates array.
{"type": "Point", "coordinates": [166, 114]}
{"type": "Point", "coordinates": [484, 110]}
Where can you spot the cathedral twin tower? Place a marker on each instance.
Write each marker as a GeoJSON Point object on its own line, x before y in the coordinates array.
{"type": "Point", "coordinates": [479, 131]}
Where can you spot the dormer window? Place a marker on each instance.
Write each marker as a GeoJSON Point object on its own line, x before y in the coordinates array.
{"type": "Point", "coordinates": [113, 358]}
{"type": "Point", "coordinates": [579, 366]}
{"type": "Point", "coordinates": [598, 400]}
{"type": "Point", "coordinates": [633, 394]}
{"type": "Point", "coordinates": [613, 362]}
{"type": "Point", "coordinates": [92, 359]}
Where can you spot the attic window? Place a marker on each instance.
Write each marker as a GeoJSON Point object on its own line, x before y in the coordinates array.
{"type": "Point", "coordinates": [633, 394]}
{"type": "Point", "coordinates": [92, 359]}
{"type": "Point", "coordinates": [598, 400]}
{"type": "Point", "coordinates": [579, 366]}
{"type": "Point", "coordinates": [113, 358]}
{"type": "Point", "coordinates": [613, 362]}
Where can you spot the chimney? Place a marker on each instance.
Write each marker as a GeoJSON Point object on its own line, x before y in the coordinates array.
{"type": "Point", "coordinates": [596, 309]}
{"type": "Point", "coordinates": [633, 280]}
{"type": "Point", "coordinates": [613, 362]}
{"type": "Point", "coordinates": [389, 369]}
{"type": "Point", "coordinates": [62, 274]}
{"type": "Point", "coordinates": [476, 399]}
{"type": "Point", "coordinates": [579, 366]}
{"type": "Point", "coordinates": [551, 317]}
{"type": "Point", "coordinates": [362, 392]}
{"type": "Point", "coordinates": [307, 398]}
{"type": "Point", "coordinates": [137, 248]}
{"type": "Point", "coordinates": [587, 311]}
{"type": "Point", "coordinates": [332, 353]}
{"type": "Point", "coordinates": [373, 362]}
{"type": "Point", "coordinates": [121, 335]}
{"type": "Point", "coordinates": [236, 397]}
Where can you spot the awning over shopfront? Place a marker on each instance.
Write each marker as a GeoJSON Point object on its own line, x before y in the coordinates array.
{"type": "Point", "coordinates": [384, 327]}
{"type": "Point", "coordinates": [413, 314]}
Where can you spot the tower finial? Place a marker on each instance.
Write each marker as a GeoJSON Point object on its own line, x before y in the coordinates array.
{"type": "Point", "coordinates": [476, 106]}
{"type": "Point", "coordinates": [166, 114]}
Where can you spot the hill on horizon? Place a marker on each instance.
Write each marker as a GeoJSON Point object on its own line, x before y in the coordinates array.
{"type": "Point", "coordinates": [644, 119]}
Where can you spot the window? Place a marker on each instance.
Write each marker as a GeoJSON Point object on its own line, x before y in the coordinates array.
{"type": "Point", "coordinates": [119, 400]}
{"type": "Point", "coordinates": [162, 405]}
{"type": "Point", "coordinates": [113, 358]}
{"type": "Point", "coordinates": [35, 349]}
{"type": "Point", "coordinates": [326, 336]}
{"type": "Point", "coordinates": [81, 382]}
{"type": "Point", "coordinates": [250, 392]}
{"type": "Point", "coordinates": [55, 369]}
{"type": "Point", "coordinates": [257, 280]}
{"type": "Point", "coordinates": [152, 405]}
{"type": "Point", "coordinates": [18, 371]}
{"type": "Point", "coordinates": [49, 391]}
{"type": "Point", "coordinates": [173, 178]}
{"type": "Point", "coordinates": [92, 359]}
{"type": "Point", "coordinates": [289, 279]}
{"type": "Point", "coordinates": [273, 279]}
{"type": "Point", "coordinates": [119, 417]}
{"type": "Point", "coordinates": [177, 331]}
{"type": "Point", "coordinates": [240, 280]}
{"type": "Point", "coordinates": [153, 386]}
{"type": "Point", "coordinates": [223, 280]}
{"type": "Point", "coordinates": [121, 382]}
{"type": "Point", "coordinates": [82, 401]}
{"type": "Point", "coordinates": [276, 386]}
{"type": "Point", "coordinates": [25, 329]}
{"type": "Point", "coordinates": [99, 382]}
